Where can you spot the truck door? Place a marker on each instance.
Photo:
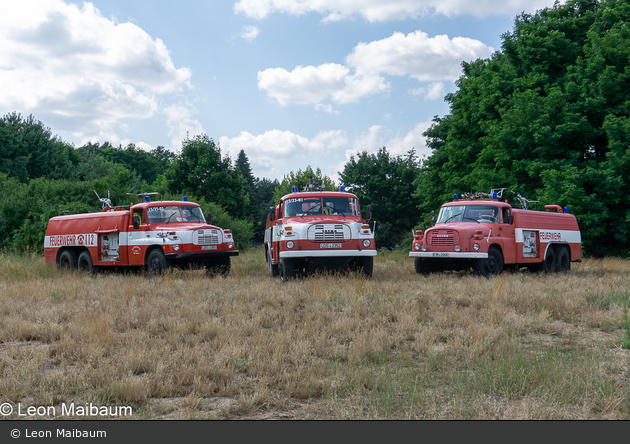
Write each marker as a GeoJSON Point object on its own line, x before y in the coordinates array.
{"type": "Point", "coordinates": [137, 238]}
{"type": "Point", "coordinates": [506, 231]}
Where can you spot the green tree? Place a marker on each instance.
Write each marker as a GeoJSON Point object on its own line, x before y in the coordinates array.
{"type": "Point", "coordinates": [202, 171]}
{"type": "Point", "coordinates": [387, 183]}
{"type": "Point", "coordinates": [300, 179]}
{"type": "Point", "coordinates": [29, 150]}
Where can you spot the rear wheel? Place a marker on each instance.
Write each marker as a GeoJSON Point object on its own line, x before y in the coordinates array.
{"type": "Point", "coordinates": [549, 264]}
{"type": "Point", "coordinates": [84, 263]}
{"type": "Point", "coordinates": [156, 262]}
{"type": "Point", "coordinates": [564, 260]}
{"type": "Point", "coordinates": [68, 260]}
{"type": "Point", "coordinates": [271, 267]}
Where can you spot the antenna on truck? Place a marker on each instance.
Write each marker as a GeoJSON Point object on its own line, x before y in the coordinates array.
{"type": "Point", "coordinates": [107, 202]}
{"type": "Point", "coordinates": [144, 196]}
{"type": "Point", "coordinates": [523, 201]}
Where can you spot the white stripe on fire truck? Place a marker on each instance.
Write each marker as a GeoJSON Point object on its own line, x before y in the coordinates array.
{"type": "Point", "coordinates": [546, 236]}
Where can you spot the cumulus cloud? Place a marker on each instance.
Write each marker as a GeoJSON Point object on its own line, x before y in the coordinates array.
{"type": "Point", "coordinates": [433, 91]}
{"type": "Point", "coordinates": [416, 55]}
{"type": "Point", "coordinates": [270, 151]}
{"type": "Point", "coordinates": [79, 71]}
{"type": "Point", "coordinates": [386, 10]}
{"type": "Point", "coordinates": [249, 33]}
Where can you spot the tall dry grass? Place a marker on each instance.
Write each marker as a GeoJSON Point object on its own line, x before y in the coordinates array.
{"type": "Point", "coordinates": [396, 346]}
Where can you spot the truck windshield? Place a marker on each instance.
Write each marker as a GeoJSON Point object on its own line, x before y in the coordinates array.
{"type": "Point", "coordinates": [174, 213]}
{"type": "Point", "coordinates": [468, 213]}
{"type": "Point", "coordinates": [308, 206]}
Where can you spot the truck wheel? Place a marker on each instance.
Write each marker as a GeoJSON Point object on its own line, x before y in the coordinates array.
{"type": "Point", "coordinates": [288, 269]}
{"type": "Point", "coordinates": [421, 266]}
{"type": "Point", "coordinates": [549, 264]}
{"type": "Point", "coordinates": [156, 262]}
{"type": "Point", "coordinates": [224, 265]}
{"type": "Point", "coordinates": [271, 267]}
{"type": "Point", "coordinates": [564, 260]}
{"type": "Point", "coordinates": [492, 265]}
{"type": "Point", "coordinates": [68, 260]}
{"type": "Point", "coordinates": [368, 266]}
{"type": "Point", "coordinates": [84, 263]}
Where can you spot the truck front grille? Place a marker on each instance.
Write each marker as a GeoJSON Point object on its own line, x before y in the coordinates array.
{"type": "Point", "coordinates": [328, 232]}
{"type": "Point", "coordinates": [207, 237]}
{"type": "Point", "coordinates": [443, 238]}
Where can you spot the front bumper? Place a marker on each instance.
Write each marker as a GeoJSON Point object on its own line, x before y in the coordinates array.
{"type": "Point", "coordinates": [447, 255]}
{"type": "Point", "coordinates": [327, 253]}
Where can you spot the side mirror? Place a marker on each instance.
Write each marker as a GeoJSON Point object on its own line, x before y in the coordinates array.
{"type": "Point", "coordinates": [135, 220]}
{"type": "Point", "coordinates": [209, 218]}
{"type": "Point", "coordinates": [432, 217]}
{"type": "Point", "coordinates": [368, 212]}
{"type": "Point", "coordinates": [272, 213]}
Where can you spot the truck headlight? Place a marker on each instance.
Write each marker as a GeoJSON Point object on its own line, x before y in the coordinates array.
{"type": "Point", "coordinates": [416, 247]}
{"type": "Point", "coordinates": [476, 247]}
{"type": "Point", "coordinates": [230, 245]}
{"type": "Point", "coordinates": [366, 243]}
{"type": "Point", "coordinates": [290, 244]}
{"type": "Point", "coordinates": [176, 247]}
{"type": "Point", "coordinates": [424, 248]}
{"type": "Point", "coordinates": [457, 248]}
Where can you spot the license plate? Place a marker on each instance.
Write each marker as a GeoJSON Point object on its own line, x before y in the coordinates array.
{"type": "Point", "coordinates": [329, 245]}
{"type": "Point", "coordinates": [209, 247]}
{"type": "Point", "coordinates": [440, 254]}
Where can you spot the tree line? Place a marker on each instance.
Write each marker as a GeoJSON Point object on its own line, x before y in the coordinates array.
{"type": "Point", "coordinates": [547, 116]}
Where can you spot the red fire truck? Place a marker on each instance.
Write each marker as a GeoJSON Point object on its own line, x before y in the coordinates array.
{"type": "Point", "coordinates": [151, 234]}
{"type": "Point", "coordinates": [316, 229]}
{"type": "Point", "coordinates": [479, 231]}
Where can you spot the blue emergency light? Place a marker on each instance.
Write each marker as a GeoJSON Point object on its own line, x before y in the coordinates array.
{"type": "Point", "coordinates": [456, 196]}
{"type": "Point", "coordinates": [566, 209]}
{"type": "Point", "coordinates": [494, 195]}
{"type": "Point", "coordinates": [294, 189]}
{"type": "Point", "coordinates": [185, 198]}
{"type": "Point", "coordinates": [147, 198]}
{"type": "Point", "coordinates": [342, 189]}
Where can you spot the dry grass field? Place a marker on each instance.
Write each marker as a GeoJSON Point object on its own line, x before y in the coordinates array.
{"type": "Point", "coordinates": [396, 346]}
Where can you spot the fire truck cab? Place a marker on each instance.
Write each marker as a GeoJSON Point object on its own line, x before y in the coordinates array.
{"type": "Point", "coordinates": [480, 232]}
{"type": "Point", "coordinates": [154, 235]}
{"type": "Point", "coordinates": [313, 230]}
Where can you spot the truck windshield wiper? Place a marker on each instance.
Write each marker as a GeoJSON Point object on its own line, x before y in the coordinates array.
{"type": "Point", "coordinates": [454, 215]}
{"type": "Point", "coordinates": [470, 218]}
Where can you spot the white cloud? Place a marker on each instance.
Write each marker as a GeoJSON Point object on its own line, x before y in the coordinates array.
{"type": "Point", "coordinates": [181, 124]}
{"type": "Point", "coordinates": [79, 71]}
{"type": "Point", "coordinates": [433, 91]}
{"type": "Point", "coordinates": [387, 10]}
{"type": "Point", "coordinates": [249, 33]}
{"type": "Point", "coordinates": [271, 151]}
{"type": "Point", "coordinates": [415, 55]}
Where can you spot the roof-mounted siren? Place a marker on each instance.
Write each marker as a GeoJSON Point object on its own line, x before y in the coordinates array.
{"type": "Point", "coordinates": [342, 189]}
{"type": "Point", "coordinates": [566, 210]}
{"type": "Point", "coordinates": [495, 196]}
{"type": "Point", "coordinates": [106, 201]}
{"type": "Point", "coordinates": [456, 197]}
{"type": "Point", "coordinates": [185, 198]}
{"type": "Point", "coordinates": [294, 189]}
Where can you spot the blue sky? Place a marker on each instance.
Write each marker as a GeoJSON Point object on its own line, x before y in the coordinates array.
{"type": "Point", "coordinates": [291, 82]}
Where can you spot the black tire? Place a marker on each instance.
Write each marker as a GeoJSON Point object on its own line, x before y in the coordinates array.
{"type": "Point", "coordinates": [156, 262]}
{"type": "Point", "coordinates": [84, 263]}
{"type": "Point", "coordinates": [271, 267]}
{"type": "Point", "coordinates": [564, 260]}
{"type": "Point", "coordinates": [68, 260]}
{"type": "Point", "coordinates": [421, 266]}
{"type": "Point", "coordinates": [549, 264]}
{"type": "Point", "coordinates": [368, 266]}
{"type": "Point", "coordinates": [224, 265]}
{"type": "Point", "coordinates": [492, 265]}
{"type": "Point", "coordinates": [288, 269]}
